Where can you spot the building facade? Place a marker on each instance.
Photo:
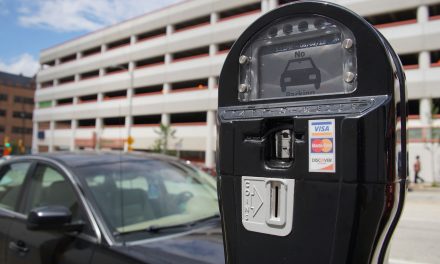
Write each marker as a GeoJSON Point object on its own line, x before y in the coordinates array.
{"type": "Point", "coordinates": [163, 67]}
{"type": "Point", "coordinates": [16, 107]}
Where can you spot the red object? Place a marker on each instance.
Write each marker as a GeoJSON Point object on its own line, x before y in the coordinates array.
{"type": "Point", "coordinates": [322, 145]}
{"type": "Point", "coordinates": [7, 151]}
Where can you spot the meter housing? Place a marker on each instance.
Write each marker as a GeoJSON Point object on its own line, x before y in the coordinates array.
{"type": "Point", "coordinates": [311, 135]}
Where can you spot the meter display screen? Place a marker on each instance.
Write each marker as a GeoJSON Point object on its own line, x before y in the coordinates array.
{"type": "Point", "coordinates": [304, 56]}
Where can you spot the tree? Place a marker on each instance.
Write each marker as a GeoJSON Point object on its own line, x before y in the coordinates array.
{"type": "Point", "coordinates": [165, 133]}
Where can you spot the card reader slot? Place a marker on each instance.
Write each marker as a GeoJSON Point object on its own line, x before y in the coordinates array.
{"type": "Point", "coordinates": [278, 145]}
{"type": "Point", "coordinates": [266, 135]}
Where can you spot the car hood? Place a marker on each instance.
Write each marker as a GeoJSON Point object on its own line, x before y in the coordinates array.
{"type": "Point", "coordinates": [201, 245]}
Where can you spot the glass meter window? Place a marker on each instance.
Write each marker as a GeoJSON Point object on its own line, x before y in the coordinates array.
{"type": "Point", "coordinates": [302, 56]}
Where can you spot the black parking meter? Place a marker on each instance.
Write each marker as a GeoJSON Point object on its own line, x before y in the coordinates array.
{"type": "Point", "coordinates": [309, 150]}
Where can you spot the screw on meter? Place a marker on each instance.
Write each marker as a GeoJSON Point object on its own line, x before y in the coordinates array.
{"type": "Point", "coordinates": [312, 127]}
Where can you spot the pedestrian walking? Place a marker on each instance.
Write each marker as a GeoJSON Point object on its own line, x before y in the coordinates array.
{"type": "Point", "coordinates": [417, 169]}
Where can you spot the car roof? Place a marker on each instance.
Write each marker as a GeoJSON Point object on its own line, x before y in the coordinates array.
{"type": "Point", "coordinates": [88, 158]}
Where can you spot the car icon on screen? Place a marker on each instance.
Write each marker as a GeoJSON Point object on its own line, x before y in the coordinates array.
{"type": "Point", "coordinates": [300, 72]}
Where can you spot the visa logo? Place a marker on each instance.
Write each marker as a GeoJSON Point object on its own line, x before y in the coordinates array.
{"type": "Point", "coordinates": [322, 128]}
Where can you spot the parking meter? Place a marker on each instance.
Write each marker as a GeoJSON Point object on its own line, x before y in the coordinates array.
{"type": "Point", "coordinates": [311, 102]}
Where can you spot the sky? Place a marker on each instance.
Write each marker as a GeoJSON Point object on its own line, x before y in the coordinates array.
{"type": "Point", "coordinates": [29, 26]}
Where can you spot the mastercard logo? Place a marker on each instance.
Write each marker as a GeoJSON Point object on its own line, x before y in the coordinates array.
{"type": "Point", "coordinates": [322, 145]}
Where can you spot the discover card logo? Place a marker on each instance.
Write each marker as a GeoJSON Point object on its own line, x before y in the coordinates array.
{"type": "Point", "coordinates": [322, 160]}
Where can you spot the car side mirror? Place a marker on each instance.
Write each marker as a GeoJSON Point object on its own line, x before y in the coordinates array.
{"type": "Point", "coordinates": [52, 218]}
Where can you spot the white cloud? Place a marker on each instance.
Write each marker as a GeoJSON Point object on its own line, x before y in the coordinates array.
{"type": "Point", "coordinates": [83, 15]}
{"type": "Point", "coordinates": [25, 64]}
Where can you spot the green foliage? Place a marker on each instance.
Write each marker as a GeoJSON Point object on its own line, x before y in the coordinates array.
{"type": "Point", "coordinates": [14, 147]}
{"type": "Point", "coordinates": [165, 133]}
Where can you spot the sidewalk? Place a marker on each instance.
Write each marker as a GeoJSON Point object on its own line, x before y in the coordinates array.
{"type": "Point", "coordinates": [423, 187]}
{"type": "Point", "coordinates": [417, 237]}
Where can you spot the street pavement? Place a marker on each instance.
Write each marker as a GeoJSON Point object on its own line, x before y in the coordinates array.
{"type": "Point", "coordinates": [417, 237]}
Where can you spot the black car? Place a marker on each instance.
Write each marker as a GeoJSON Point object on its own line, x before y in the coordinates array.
{"type": "Point", "coordinates": [300, 72]}
{"type": "Point", "coordinates": [95, 207]}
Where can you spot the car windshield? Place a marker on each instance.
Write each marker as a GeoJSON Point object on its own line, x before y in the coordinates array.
{"type": "Point", "coordinates": [300, 64]}
{"type": "Point", "coordinates": [137, 195]}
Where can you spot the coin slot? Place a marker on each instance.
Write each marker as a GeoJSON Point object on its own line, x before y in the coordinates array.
{"type": "Point", "coordinates": [267, 205]}
{"type": "Point", "coordinates": [275, 200]}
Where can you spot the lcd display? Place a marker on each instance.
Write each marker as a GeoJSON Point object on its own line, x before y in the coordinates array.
{"type": "Point", "coordinates": [302, 57]}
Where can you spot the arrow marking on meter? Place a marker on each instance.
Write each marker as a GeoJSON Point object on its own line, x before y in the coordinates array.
{"type": "Point", "coordinates": [258, 201]}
